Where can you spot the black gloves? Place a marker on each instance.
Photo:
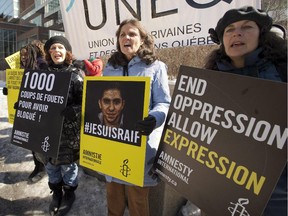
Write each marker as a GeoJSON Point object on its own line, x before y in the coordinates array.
{"type": "Point", "coordinates": [5, 91]}
{"type": "Point", "coordinates": [146, 126]}
{"type": "Point", "coordinates": [69, 113]}
{"type": "Point", "coordinates": [153, 175]}
{"type": "Point", "coordinates": [16, 105]}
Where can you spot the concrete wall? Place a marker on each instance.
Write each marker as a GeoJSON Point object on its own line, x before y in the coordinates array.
{"type": "Point", "coordinates": [193, 56]}
{"type": "Point", "coordinates": [165, 201]}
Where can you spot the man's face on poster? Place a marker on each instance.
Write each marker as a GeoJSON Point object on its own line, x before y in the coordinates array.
{"type": "Point", "coordinates": [111, 105]}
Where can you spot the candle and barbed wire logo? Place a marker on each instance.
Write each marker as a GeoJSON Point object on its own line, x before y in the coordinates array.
{"type": "Point", "coordinates": [125, 170]}
{"type": "Point", "coordinates": [45, 144]}
{"type": "Point", "coordinates": [239, 208]}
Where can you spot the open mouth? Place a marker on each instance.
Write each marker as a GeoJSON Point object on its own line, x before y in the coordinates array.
{"type": "Point", "coordinates": [57, 56]}
{"type": "Point", "coordinates": [237, 44]}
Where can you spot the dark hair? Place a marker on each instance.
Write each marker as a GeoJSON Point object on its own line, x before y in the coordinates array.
{"type": "Point", "coordinates": [112, 85]}
{"type": "Point", "coordinates": [146, 51]}
{"type": "Point", "coordinates": [40, 46]}
{"type": "Point", "coordinates": [274, 49]}
{"type": "Point", "coordinates": [33, 53]}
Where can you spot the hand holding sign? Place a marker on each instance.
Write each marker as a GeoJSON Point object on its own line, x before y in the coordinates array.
{"type": "Point", "coordinates": [147, 125]}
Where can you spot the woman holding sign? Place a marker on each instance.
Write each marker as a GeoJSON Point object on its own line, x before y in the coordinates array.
{"type": "Point", "coordinates": [249, 47]}
{"type": "Point", "coordinates": [135, 56]}
{"type": "Point", "coordinates": [63, 170]}
{"type": "Point", "coordinates": [32, 56]}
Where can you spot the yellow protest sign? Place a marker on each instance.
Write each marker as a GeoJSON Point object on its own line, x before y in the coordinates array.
{"type": "Point", "coordinates": [13, 60]}
{"type": "Point", "coordinates": [109, 143]}
{"type": "Point", "coordinates": [13, 82]}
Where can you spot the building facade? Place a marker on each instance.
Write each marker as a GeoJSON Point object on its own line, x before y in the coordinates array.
{"type": "Point", "coordinates": [24, 21]}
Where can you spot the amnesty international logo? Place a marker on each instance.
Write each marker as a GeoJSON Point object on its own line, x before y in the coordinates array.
{"type": "Point", "coordinates": [125, 170]}
{"type": "Point", "coordinates": [239, 208]}
{"type": "Point", "coordinates": [45, 145]}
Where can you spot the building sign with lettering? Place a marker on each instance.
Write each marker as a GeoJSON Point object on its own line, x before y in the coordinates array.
{"type": "Point", "coordinates": [90, 25]}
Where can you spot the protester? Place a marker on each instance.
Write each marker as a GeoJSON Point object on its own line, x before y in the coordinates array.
{"type": "Point", "coordinates": [135, 56]}
{"type": "Point", "coordinates": [32, 56]}
{"type": "Point", "coordinates": [249, 47]}
{"type": "Point", "coordinates": [63, 170]}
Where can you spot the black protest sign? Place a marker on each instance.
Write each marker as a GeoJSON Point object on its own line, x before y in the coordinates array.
{"type": "Point", "coordinates": [225, 141]}
{"type": "Point", "coordinates": [38, 121]}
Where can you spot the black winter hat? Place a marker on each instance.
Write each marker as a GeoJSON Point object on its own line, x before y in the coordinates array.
{"type": "Point", "coordinates": [57, 39]}
{"type": "Point", "coordinates": [263, 20]}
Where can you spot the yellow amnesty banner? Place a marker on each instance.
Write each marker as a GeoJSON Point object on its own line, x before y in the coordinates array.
{"type": "Point", "coordinates": [109, 143]}
{"type": "Point", "coordinates": [13, 60]}
{"type": "Point", "coordinates": [13, 83]}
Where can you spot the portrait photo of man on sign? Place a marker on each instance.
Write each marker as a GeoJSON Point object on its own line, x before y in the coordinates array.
{"type": "Point", "coordinates": [119, 106]}
{"type": "Point", "coordinates": [111, 104]}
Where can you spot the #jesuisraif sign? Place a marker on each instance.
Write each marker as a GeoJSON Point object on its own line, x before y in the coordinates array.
{"type": "Point", "coordinates": [224, 144]}
{"type": "Point", "coordinates": [110, 109]}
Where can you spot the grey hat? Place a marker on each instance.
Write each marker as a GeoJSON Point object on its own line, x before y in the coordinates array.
{"type": "Point", "coordinates": [57, 39]}
{"type": "Point", "coordinates": [263, 20]}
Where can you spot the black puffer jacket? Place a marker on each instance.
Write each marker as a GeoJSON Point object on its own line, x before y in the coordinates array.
{"type": "Point", "coordinates": [70, 137]}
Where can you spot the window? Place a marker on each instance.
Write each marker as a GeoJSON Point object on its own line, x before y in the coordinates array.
{"type": "Point", "coordinates": [7, 42]}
